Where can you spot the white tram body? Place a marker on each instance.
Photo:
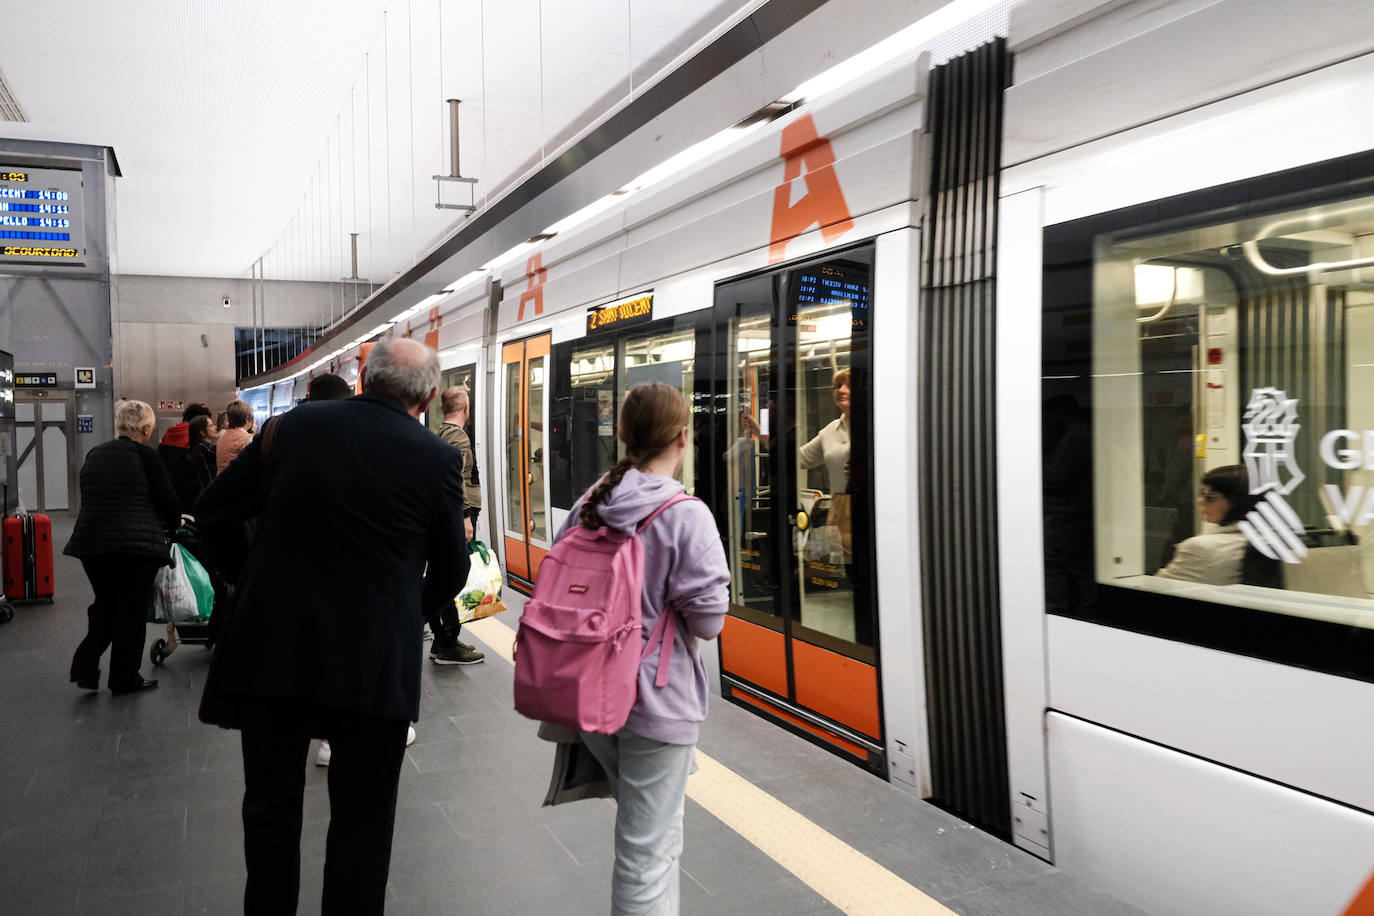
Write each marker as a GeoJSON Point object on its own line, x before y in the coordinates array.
{"type": "Point", "coordinates": [1174, 770]}
{"type": "Point", "coordinates": [1181, 777]}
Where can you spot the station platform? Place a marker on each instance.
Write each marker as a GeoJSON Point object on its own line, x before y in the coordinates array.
{"type": "Point", "coordinates": [130, 805]}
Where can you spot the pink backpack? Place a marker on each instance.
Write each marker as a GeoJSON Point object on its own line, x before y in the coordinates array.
{"type": "Point", "coordinates": [575, 660]}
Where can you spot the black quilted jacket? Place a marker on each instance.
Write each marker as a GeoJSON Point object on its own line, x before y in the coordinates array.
{"type": "Point", "coordinates": [128, 506]}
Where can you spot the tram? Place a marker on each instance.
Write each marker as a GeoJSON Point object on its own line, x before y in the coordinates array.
{"type": "Point", "coordinates": [956, 505]}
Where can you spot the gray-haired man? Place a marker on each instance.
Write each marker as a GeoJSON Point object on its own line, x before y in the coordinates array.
{"type": "Point", "coordinates": [324, 640]}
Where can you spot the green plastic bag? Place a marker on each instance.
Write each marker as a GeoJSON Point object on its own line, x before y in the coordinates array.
{"type": "Point", "coordinates": [200, 583]}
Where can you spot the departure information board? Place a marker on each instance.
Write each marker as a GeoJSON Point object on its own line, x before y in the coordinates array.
{"type": "Point", "coordinates": [837, 282]}
{"type": "Point", "coordinates": [41, 218]}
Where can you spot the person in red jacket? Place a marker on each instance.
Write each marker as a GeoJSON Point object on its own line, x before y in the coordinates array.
{"type": "Point", "coordinates": [175, 452]}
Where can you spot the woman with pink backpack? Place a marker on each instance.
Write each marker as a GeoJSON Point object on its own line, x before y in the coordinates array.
{"type": "Point", "coordinates": [648, 761]}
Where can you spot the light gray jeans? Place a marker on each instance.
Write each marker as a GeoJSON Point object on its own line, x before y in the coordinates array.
{"type": "Point", "coordinates": [649, 781]}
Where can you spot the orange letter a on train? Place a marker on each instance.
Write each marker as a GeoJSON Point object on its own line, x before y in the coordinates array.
{"type": "Point", "coordinates": [823, 204]}
{"type": "Point", "coordinates": [534, 290]}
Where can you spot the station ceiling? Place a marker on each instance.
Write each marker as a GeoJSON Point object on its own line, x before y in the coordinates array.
{"type": "Point", "coordinates": [247, 128]}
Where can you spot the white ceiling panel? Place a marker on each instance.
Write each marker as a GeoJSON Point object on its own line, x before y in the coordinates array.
{"type": "Point", "coordinates": [252, 128]}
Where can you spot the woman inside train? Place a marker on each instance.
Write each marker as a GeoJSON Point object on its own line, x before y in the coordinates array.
{"type": "Point", "coordinates": [1223, 556]}
{"type": "Point", "coordinates": [830, 446]}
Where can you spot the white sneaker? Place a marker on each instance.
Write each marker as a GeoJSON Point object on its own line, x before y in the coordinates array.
{"type": "Point", "coordinates": [322, 758]}
{"type": "Point", "coordinates": [410, 735]}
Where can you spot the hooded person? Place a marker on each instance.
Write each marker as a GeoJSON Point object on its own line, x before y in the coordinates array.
{"type": "Point", "coordinates": [175, 451]}
{"type": "Point", "coordinates": [647, 762]}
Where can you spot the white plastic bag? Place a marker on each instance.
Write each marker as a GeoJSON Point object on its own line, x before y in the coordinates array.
{"type": "Point", "coordinates": [481, 596]}
{"type": "Point", "coordinates": [174, 599]}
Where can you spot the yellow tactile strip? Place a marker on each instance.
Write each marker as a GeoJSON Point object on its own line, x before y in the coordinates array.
{"type": "Point", "coordinates": [850, 880]}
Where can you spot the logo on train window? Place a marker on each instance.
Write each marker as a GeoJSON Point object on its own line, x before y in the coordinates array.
{"type": "Point", "coordinates": [1271, 427]}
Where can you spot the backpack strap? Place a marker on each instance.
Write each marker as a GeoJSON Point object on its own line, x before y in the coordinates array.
{"type": "Point", "coordinates": [675, 498]}
{"type": "Point", "coordinates": [660, 635]}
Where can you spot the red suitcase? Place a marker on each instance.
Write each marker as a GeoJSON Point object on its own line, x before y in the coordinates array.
{"type": "Point", "coordinates": [27, 555]}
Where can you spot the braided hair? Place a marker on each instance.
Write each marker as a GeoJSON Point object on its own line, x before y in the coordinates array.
{"type": "Point", "coordinates": [654, 414]}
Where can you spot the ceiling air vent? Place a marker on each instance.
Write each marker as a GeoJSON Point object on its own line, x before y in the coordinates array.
{"type": "Point", "coordinates": [9, 106]}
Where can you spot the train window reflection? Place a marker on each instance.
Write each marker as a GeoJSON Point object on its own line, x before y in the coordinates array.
{"type": "Point", "coordinates": [662, 356]}
{"type": "Point", "coordinates": [534, 410]}
{"type": "Point", "coordinates": [751, 415]}
{"type": "Point", "coordinates": [822, 397]}
{"type": "Point", "coordinates": [515, 473]}
{"type": "Point", "coordinates": [593, 407]}
{"type": "Point", "coordinates": [1230, 387]}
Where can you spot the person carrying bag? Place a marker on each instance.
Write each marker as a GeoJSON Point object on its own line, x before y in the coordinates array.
{"type": "Point", "coordinates": [683, 590]}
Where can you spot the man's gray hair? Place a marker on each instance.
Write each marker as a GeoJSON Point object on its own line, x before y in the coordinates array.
{"type": "Point", "coordinates": [406, 378]}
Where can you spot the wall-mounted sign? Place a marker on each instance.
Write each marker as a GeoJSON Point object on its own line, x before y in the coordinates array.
{"type": "Point", "coordinates": [41, 219]}
{"type": "Point", "coordinates": [630, 312]}
{"type": "Point", "coordinates": [85, 423]}
{"type": "Point", "coordinates": [35, 379]}
{"type": "Point", "coordinates": [85, 378]}
{"type": "Point", "coordinates": [171, 405]}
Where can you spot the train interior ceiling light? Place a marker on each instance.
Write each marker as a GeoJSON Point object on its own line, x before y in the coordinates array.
{"type": "Point", "coordinates": [909, 41]}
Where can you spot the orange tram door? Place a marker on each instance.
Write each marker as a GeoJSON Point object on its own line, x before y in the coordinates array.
{"type": "Point", "coordinates": [524, 369]}
{"type": "Point", "coordinates": [793, 500]}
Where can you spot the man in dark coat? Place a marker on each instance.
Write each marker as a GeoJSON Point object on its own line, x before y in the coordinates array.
{"type": "Point", "coordinates": [355, 499]}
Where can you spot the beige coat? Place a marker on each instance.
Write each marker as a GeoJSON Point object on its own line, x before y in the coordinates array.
{"type": "Point", "coordinates": [1214, 559]}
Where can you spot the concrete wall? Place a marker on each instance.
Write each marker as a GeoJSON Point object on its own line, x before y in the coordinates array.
{"type": "Point", "coordinates": [175, 339]}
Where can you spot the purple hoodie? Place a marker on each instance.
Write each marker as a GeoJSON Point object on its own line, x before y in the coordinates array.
{"type": "Point", "coordinates": [684, 564]}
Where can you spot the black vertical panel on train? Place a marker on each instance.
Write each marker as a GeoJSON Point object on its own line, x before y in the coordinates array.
{"type": "Point", "coordinates": [957, 469]}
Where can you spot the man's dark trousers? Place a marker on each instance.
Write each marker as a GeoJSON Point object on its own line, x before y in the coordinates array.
{"type": "Point", "coordinates": [363, 775]}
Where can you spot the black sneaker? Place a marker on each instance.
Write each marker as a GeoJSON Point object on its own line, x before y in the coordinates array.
{"type": "Point", "coordinates": [456, 654]}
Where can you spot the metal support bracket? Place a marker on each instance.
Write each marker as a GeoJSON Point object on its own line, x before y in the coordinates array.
{"type": "Point", "coordinates": [439, 192]}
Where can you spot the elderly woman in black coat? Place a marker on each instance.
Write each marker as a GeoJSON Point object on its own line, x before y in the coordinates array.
{"type": "Point", "coordinates": [122, 537]}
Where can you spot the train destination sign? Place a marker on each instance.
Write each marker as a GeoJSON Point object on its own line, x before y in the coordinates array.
{"type": "Point", "coordinates": [622, 314]}
{"type": "Point", "coordinates": [41, 218]}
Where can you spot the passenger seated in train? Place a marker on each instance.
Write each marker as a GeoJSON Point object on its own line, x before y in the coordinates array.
{"type": "Point", "coordinates": [1223, 556]}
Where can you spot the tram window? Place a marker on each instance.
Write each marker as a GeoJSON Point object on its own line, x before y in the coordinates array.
{"type": "Point", "coordinates": [1232, 398]}
{"type": "Point", "coordinates": [751, 529]}
{"type": "Point", "coordinates": [662, 356]}
{"type": "Point", "coordinates": [592, 418]}
{"type": "Point", "coordinates": [534, 410]}
{"type": "Point", "coordinates": [514, 473]}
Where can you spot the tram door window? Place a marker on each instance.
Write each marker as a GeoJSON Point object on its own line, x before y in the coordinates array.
{"type": "Point", "coordinates": [592, 403]}
{"type": "Point", "coordinates": [534, 451]}
{"type": "Point", "coordinates": [750, 428]}
{"type": "Point", "coordinates": [794, 368]}
{"type": "Point", "coordinates": [524, 370]}
{"type": "Point", "coordinates": [662, 356]}
{"type": "Point", "coordinates": [461, 376]}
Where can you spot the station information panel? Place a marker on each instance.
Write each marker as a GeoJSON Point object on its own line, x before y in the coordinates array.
{"type": "Point", "coordinates": [41, 220]}
{"type": "Point", "coordinates": [838, 282]}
